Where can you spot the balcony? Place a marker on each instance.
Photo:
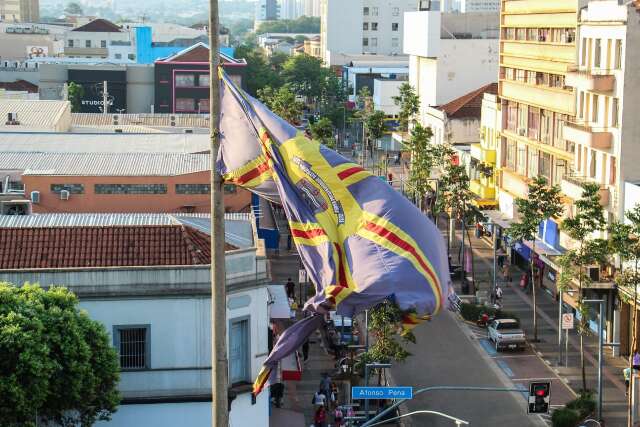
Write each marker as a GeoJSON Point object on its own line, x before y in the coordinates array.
{"type": "Point", "coordinates": [481, 190]}
{"type": "Point", "coordinates": [539, 6]}
{"type": "Point", "coordinates": [482, 154]}
{"type": "Point", "coordinates": [540, 96]}
{"type": "Point", "coordinates": [591, 80]}
{"type": "Point", "coordinates": [571, 186]}
{"type": "Point", "coordinates": [596, 138]}
{"type": "Point", "coordinates": [524, 49]}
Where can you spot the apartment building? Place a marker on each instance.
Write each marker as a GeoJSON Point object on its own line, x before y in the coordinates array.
{"type": "Point", "coordinates": [362, 27]}
{"type": "Point", "coordinates": [483, 184]}
{"type": "Point", "coordinates": [266, 10]}
{"type": "Point", "coordinates": [467, 6]}
{"type": "Point", "coordinates": [100, 39]}
{"type": "Point", "coordinates": [20, 10]}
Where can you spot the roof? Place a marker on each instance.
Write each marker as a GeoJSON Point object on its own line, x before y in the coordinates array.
{"type": "Point", "coordinates": [168, 120]}
{"type": "Point", "coordinates": [68, 247]}
{"type": "Point", "coordinates": [105, 164]}
{"type": "Point", "coordinates": [19, 86]}
{"type": "Point", "coordinates": [238, 226]}
{"type": "Point", "coordinates": [469, 105]}
{"type": "Point", "coordinates": [35, 114]}
{"type": "Point", "coordinates": [99, 26]}
{"type": "Point", "coordinates": [199, 52]}
{"type": "Point", "coordinates": [49, 142]}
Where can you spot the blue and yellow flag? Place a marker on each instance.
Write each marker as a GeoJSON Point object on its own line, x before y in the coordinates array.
{"type": "Point", "coordinates": [360, 241]}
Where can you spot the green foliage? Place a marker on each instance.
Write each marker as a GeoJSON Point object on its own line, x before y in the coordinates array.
{"type": "Point", "coordinates": [306, 75]}
{"type": "Point", "coordinates": [589, 215]}
{"type": "Point", "coordinates": [409, 104]}
{"type": "Point", "coordinates": [543, 202]}
{"type": "Point", "coordinates": [375, 125]}
{"type": "Point", "coordinates": [574, 411]}
{"type": "Point", "coordinates": [277, 61]}
{"type": "Point", "coordinates": [565, 418]}
{"type": "Point", "coordinates": [322, 131]}
{"type": "Point", "coordinates": [471, 312]}
{"type": "Point", "coordinates": [75, 95]}
{"type": "Point", "coordinates": [56, 362]}
{"type": "Point", "coordinates": [283, 102]}
{"type": "Point", "coordinates": [584, 404]}
{"type": "Point", "coordinates": [259, 73]}
{"type": "Point", "coordinates": [422, 158]}
{"type": "Point", "coordinates": [303, 24]}
{"type": "Point", "coordinates": [454, 195]}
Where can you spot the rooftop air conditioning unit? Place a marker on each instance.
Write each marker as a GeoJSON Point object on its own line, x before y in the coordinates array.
{"type": "Point", "coordinates": [12, 119]}
{"type": "Point", "coordinates": [64, 195]}
{"type": "Point", "coordinates": [35, 197]}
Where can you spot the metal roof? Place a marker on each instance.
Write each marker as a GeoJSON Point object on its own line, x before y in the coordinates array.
{"type": "Point", "coordinates": [156, 119]}
{"type": "Point", "coordinates": [49, 142]}
{"type": "Point", "coordinates": [105, 164]}
{"type": "Point", "coordinates": [33, 113]}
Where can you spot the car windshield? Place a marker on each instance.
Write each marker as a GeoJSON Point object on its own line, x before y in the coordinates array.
{"type": "Point", "coordinates": [508, 325]}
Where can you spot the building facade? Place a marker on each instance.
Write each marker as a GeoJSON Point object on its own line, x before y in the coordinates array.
{"type": "Point", "coordinates": [20, 11]}
{"type": "Point", "coordinates": [267, 10]}
{"type": "Point", "coordinates": [470, 6]}
{"type": "Point", "coordinates": [362, 26]}
{"type": "Point", "coordinates": [484, 153]}
{"type": "Point", "coordinates": [100, 39]}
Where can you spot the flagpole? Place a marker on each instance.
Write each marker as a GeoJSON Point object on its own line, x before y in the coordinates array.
{"type": "Point", "coordinates": [219, 381]}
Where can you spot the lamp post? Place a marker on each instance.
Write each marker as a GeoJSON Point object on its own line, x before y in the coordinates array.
{"type": "Point", "coordinates": [368, 366]}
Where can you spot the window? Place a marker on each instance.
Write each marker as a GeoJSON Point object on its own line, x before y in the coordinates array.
{"type": "Point", "coordinates": [512, 116]}
{"type": "Point", "coordinates": [521, 161]}
{"type": "Point", "coordinates": [618, 57]}
{"type": "Point", "coordinates": [87, 43]}
{"type": "Point", "coordinates": [581, 106]}
{"type": "Point", "coordinates": [374, 26]}
{"type": "Point", "coordinates": [130, 189]}
{"type": "Point", "coordinates": [594, 109]}
{"type": "Point", "coordinates": [365, 26]}
{"type": "Point", "coordinates": [131, 56]}
{"type": "Point", "coordinates": [583, 56]}
{"type": "Point", "coordinates": [395, 11]}
{"type": "Point", "coordinates": [558, 128]}
{"type": "Point", "coordinates": [545, 166]}
{"type": "Point", "coordinates": [185, 80]}
{"type": "Point", "coordinates": [597, 55]}
{"type": "Point", "coordinates": [193, 188]}
{"type": "Point", "coordinates": [592, 164]}
{"type": "Point", "coordinates": [365, 41]}
{"type": "Point", "coordinates": [523, 111]}
{"type": "Point", "coordinates": [70, 43]}
{"type": "Point", "coordinates": [374, 42]}
{"type": "Point", "coordinates": [534, 123]}
{"type": "Point", "coordinates": [546, 126]}
{"type": "Point", "coordinates": [394, 26]}
{"type": "Point", "coordinates": [511, 155]}
{"type": "Point", "coordinates": [612, 170]}
{"type": "Point", "coordinates": [203, 80]}
{"type": "Point", "coordinates": [132, 342]}
{"type": "Point", "coordinates": [203, 105]}
{"type": "Point", "coordinates": [395, 42]}
{"type": "Point", "coordinates": [614, 112]}
{"type": "Point", "coordinates": [185, 104]}
{"type": "Point", "coordinates": [239, 351]}
{"type": "Point", "coordinates": [118, 56]}
{"type": "Point", "coordinates": [103, 43]}
{"type": "Point", "coordinates": [374, 11]}
{"type": "Point", "coordinates": [71, 188]}
{"type": "Point", "coordinates": [365, 11]}
{"type": "Point", "coordinates": [533, 163]}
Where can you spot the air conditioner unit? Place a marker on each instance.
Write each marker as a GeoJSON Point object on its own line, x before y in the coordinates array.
{"type": "Point", "coordinates": [188, 131]}
{"type": "Point", "coordinates": [522, 132]}
{"type": "Point", "coordinates": [15, 207]}
{"type": "Point", "coordinates": [35, 197]}
{"type": "Point", "coordinates": [64, 195]}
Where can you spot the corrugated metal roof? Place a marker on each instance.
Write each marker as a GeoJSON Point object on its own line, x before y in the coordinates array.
{"type": "Point", "coordinates": [105, 164]}
{"type": "Point", "coordinates": [103, 143]}
{"type": "Point", "coordinates": [169, 120]}
{"type": "Point", "coordinates": [32, 113]}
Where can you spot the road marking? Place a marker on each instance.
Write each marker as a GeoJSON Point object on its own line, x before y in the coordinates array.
{"type": "Point", "coordinates": [507, 370]}
{"type": "Point", "coordinates": [534, 378]}
{"type": "Point", "coordinates": [486, 345]}
{"type": "Point", "coordinates": [515, 356]}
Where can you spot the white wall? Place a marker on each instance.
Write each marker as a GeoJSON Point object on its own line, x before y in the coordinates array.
{"type": "Point", "coordinates": [422, 33]}
{"type": "Point", "coordinates": [383, 93]}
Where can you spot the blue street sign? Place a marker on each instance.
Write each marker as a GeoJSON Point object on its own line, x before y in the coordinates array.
{"type": "Point", "coordinates": [382, 392]}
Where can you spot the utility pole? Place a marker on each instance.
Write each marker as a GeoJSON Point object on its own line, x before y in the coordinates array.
{"type": "Point", "coordinates": [105, 98]}
{"type": "Point", "coordinates": [219, 373]}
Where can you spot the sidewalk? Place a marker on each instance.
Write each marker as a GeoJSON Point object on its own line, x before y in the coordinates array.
{"type": "Point", "coordinates": [520, 303]}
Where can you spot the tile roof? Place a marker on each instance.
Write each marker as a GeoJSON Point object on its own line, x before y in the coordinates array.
{"type": "Point", "coordinates": [48, 142]}
{"type": "Point", "coordinates": [469, 105]}
{"type": "Point", "coordinates": [119, 246]}
{"type": "Point", "coordinates": [20, 86]}
{"type": "Point", "coordinates": [99, 26]}
{"type": "Point", "coordinates": [104, 164]}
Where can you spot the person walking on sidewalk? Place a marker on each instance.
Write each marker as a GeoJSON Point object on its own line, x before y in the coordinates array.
{"type": "Point", "coordinates": [627, 378]}
{"type": "Point", "coordinates": [636, 360]}
{"type": "Point", "coordinates": [498, 294]}
{"type": "Point", "coordinates": [320, 417]}
{"type": "Point", "coordinates": [291, 288]}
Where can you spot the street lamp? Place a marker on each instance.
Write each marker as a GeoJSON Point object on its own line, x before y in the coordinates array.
{"type": "Point", "coordinates": [367, 366]}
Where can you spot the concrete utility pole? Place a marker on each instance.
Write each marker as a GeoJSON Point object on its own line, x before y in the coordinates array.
{"type": "Point", "coordinates": [219, 373]}
{"type": "Point", "coordinates": [105, 98]}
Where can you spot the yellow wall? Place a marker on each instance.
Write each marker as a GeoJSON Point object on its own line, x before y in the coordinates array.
{"type": "Point", "coordinates": [550, 99]}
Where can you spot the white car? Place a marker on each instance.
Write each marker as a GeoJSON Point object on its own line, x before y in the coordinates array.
{"type": "Point", "coordinates": [506, 333]}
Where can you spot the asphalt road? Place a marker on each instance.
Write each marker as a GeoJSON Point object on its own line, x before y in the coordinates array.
{"type": "Point", "coordinates": [446, 355]}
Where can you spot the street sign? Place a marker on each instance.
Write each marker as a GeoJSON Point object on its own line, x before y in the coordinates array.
{"type": "Point", "coordinates": [567, 321]}
{"type": "Point", "coordinates": [302, 276]}
{"type": "Point", "coordinates": [382, 393]}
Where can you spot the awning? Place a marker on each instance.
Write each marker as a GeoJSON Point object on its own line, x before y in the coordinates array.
{"type": "Point", "coordinates": [280, 308]}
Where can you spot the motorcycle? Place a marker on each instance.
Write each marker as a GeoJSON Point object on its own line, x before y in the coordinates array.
{"type": "Point", "coordinates": [484, 320]}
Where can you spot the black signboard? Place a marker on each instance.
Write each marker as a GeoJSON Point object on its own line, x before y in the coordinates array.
{"type": "Point", "coordinates": [92, 81]}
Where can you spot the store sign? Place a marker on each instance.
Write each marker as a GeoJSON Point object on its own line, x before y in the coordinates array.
{"type": "Point", "coordinates": [92, 82]}
{"type": "Point", "coordinates": [37, 51]}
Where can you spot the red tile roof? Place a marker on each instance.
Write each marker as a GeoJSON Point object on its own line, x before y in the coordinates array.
{"type": "Point", "coordinates": [119, 246]}
{"type": "Point", "coordinates": [469, 105]}
{"type": "Point", "coordinates": [99, 26]}
{"type": "Point", "coordinates": [19, 85]}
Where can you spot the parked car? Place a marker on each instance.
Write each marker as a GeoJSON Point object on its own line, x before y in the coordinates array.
{"type": "Point", "coordinates": [506, 333]}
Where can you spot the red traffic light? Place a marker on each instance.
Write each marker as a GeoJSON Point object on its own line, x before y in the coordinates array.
{"type": "Point", "coordinates": [541, 392]}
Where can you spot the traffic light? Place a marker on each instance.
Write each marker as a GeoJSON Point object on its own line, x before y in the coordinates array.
{"type": "Point", "coordinates": [539, 397]}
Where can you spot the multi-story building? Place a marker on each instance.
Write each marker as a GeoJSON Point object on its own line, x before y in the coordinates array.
{"type": "Point", "coordinates": [362, 26]}
{"type": "Point", "coordinates": [20, 10]}
{"type": "Point", "coordinates": [266, 10]}
{"type": "Point", "coordinates": [467, 6]}
{"type": "Point", "coordinates": [100, 39]}
{"type": "Point", "coordinates": [291, 9]}
{"type": "Point", "coordinates": [311, 7]}
{"type": "Point", "coordinates": [443, 47]}
{"type": "Point", "coordinates": [484, 185]}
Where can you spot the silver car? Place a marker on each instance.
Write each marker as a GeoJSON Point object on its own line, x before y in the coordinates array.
{"type": "Point", "coordinates": [506, 333]}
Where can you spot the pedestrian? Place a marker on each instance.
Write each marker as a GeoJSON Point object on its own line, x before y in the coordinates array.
{"type": "Point", "coordinates": [506, 273]}
{"type": "Point", "coordinates": [325, 385]}
{"type": "Point", "coordinates": [319, 398]}
{"type": "Point", "coordinates": [337, 417]}
{"type": "Point", "coordinates": [390, 178]}
{"type": "Point", "coordinates": [636, 360]}
{"type": "Point", "coordinates": [291, 288]}
{"type": "Point", "coordinates": [320, 418]}
{"type": "Point", "coordinates": [627, 378]}
{"type": "Point", "coordinates": [277, 392]}
{"type": "Point", "coordinates": [305, 350]}
{"type": "Point", "coordinates": [498, 293]}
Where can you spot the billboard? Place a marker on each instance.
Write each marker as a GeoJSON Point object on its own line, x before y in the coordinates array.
{"type": "Point", "coordinates": [92, 81]}
{"type": "Point", "coordinates": [37, 51]}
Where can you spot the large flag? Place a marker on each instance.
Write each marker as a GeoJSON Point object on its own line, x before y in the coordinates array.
{"type": "Point", "coordinates": [360, 241]}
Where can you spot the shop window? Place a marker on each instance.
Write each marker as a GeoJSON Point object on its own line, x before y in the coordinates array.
{"type": "Point", "coordinates": [185, 80]}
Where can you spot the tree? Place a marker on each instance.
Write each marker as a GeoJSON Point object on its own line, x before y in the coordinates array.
{"type": "Point", "coordinates": [283, 102]}
{"type": "Point", "coordinates": [422, 160]}
{"type": "Point", "coordinates": [542, 202]}
{"type": "Point", "coordinates": [303, 24]}
{"type": "Point", "coordinates": [277, 60]}
{"type": "Point", "coordinates": [73, 8]}
{"type": "Point", "coordinates": [322, 131]}
{"type": "Point", "coordinates": [259, 73]}
{"type": "Point", "coordinates": [306, 75]}
{"type": "Point", "coordinates": [75, 94]}
{"type": "Point", "coordinates": [409, 104]}
{"type": "Point", "coordinates": [57, 364]}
